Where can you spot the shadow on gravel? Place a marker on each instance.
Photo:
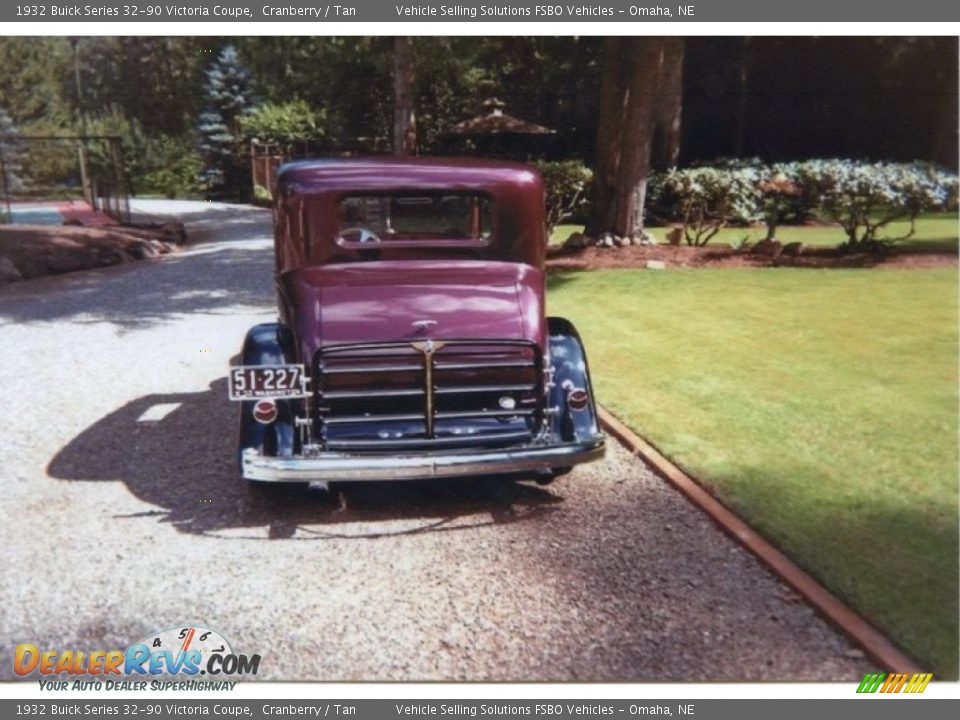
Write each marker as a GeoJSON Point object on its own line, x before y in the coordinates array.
{"type": "Point", "coordinates": [236, 271]}
{"type": "Point", "coordinates": [185, 465]}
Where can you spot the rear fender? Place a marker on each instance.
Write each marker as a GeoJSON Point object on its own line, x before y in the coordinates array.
{"type": "Point", "coordinates": [570, 371]}
{"type": "Point", "coordinates": [268, 344]}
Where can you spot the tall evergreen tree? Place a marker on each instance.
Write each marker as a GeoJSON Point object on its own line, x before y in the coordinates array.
{"type": "Point", "coordinates": [228, 94]}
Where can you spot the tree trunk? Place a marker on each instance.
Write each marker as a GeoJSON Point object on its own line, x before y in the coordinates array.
{"type": "Point", "coordinates": [637, 140]}
{"type": "Point", "coordinates": [666, 148]}
{"type": "Point", "coordinates": [613, 100]}
{"type": "Point", "coordinates": [640, 101]}
{"type": "Point", "coordinates": [404, 114]}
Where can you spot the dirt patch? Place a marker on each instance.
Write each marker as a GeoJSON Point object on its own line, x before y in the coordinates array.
{"type": "Point", "coordinates": [724, 256]}
{"type": "Point", "coordinates": [30, 251]}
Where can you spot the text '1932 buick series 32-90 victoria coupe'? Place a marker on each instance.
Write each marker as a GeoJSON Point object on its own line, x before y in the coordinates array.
{"type": "Point", "coordinates": [412, 339]}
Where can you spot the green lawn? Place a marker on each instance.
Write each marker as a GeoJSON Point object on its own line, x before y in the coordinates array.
{"type": "Point", "coordinates": [821, 405]}
{"type": "Point", "coordinates": [934, 231]}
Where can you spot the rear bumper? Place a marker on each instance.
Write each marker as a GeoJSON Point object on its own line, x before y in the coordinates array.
{"type": "Point", "coordinates": [332, 467]}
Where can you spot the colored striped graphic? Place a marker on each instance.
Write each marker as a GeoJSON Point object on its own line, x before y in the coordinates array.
{"type": "Point", "coordinates": [894, 682]}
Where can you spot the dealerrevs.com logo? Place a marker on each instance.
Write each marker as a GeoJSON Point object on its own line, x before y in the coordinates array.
{"type": "Point", "coordinates": [174, 659]}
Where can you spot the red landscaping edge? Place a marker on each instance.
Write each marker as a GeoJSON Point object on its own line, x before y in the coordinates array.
{"type": "Point", "coordinates": [874, 643]}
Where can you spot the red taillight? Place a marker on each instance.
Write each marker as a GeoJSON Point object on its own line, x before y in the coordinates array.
{"type": "Point", "coordinates": [265, 411]}
{"type": "Point", "coordinates": [577, 399]}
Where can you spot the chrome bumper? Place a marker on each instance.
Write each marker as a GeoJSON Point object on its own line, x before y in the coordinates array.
{"type": "Point", "coordinates": [333, 467]}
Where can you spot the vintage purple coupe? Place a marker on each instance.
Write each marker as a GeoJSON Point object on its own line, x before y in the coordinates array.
{"type": "Point", "coordinates": [412, 341]}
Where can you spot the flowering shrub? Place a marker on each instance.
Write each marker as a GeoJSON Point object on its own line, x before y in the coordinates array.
{"type": "Point", "coordinates": [785, 196]}
{"type": "Point", "coordinates": [705, 199]}
{"type": "Point", "coordinates": [861, 197]}
{"type": "Point", "coordinates": [865, 197]}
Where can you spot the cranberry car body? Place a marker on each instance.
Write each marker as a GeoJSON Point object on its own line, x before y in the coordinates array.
{"type": "Point", "coordinates": [412, 339]}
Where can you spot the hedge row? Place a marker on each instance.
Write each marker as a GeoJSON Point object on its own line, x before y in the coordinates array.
{"type": "Point", "coordinates": [861, 197]}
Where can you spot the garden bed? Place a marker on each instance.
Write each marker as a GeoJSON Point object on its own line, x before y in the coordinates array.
{"type": "Point", "coordinates": [30, 251]}
{"type": "Point", "coordinates": [724, 256]}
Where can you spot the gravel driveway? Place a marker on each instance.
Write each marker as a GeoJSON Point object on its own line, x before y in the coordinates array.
{"type": "Point", "coordinates": [122, 514]}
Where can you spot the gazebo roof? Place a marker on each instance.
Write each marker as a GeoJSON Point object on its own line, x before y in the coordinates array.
{"type": "Point", "coordinates": [497, 122]}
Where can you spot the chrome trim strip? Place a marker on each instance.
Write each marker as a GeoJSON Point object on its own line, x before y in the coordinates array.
{"type": "Point", "coordinates": [334, 467]}
{"type": "Point", "coordinates": [348, 419]}
{"type": "Point", "coordinates": [438, 366]}
{"type": "Point", "coordinates": [386, 444]}
{"type": "Point", "coordinates": [372, 368]}
{"type": "Point", "coordinates": [455, 414]}
{"type": "Point", "coordinates": [428, 348]}
{"type": "Point", "coordinates": [346, 394]}
{"type": "Point", "coordinates": [484, 365]}
{"type": "Point", "coordinates": [449, 415]}
{"type": "Point", "coordinates": [495, 343]}
{"type": "Point", "coordinates": [413, 392]}
{"type": "Point", "coordinates": [484, 388]}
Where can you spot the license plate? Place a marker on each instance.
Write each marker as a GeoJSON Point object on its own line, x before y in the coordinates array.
{"type": "Point", "coordinates": [260, 381]}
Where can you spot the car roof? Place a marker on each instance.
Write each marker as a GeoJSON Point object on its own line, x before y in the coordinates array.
{"type": "Point", "coordinates": [408, 173]}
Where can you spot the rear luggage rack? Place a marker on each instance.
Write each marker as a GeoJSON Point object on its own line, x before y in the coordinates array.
{"type": "Point", "coordinates": [428, 394]}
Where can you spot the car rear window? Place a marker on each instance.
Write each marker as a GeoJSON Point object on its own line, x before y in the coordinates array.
{"type": "Point", "coordinates": [415, 218]}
